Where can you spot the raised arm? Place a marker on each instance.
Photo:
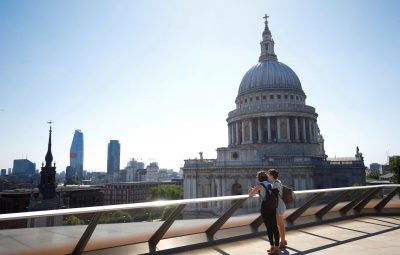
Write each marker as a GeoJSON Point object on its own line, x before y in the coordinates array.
{"type": "Point", "coordinates": [255, 190]}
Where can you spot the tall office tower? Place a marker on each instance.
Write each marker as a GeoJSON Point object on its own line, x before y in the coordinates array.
{"type": "Point", "coordinates": [76, 154]}
{"type": "Point", "coordinates": [23, 167]}
{"type": "Point", "coordinates": [113, 159]}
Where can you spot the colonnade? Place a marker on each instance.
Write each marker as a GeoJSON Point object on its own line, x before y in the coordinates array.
{"type": "Point", "coordinates": [273, 130]}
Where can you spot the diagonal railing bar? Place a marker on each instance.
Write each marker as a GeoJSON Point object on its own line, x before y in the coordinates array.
{"type": "Point", "coordinates": [365, 201]}
{"type": "Point", "coordinates": [256, 223]}
{"type": "Point", "coordinates": [324, 210]}
{"type": "Point", "coordinates": [80, 246]}
{"type": "Point", "coordinates": [221, 220]}
{"type": "Point", "coordinates": [297, 213]}
{"type": "Point", "coordinates": [159, 234]}
{"type": "Point", "coordinates": [386, 199]}
{"type": "Point", "coordinates": [355, 201]}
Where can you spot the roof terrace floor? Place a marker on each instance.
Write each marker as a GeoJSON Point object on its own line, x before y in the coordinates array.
{"type": "Point", "coordinates": [363, 235]}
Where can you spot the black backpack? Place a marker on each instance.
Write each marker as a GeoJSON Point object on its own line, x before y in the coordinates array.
{"type": "Point", "coordinates": [270, 200]}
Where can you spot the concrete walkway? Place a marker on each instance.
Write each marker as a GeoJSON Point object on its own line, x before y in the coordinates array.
{"type": "Point", "coordinates": [364, 235]}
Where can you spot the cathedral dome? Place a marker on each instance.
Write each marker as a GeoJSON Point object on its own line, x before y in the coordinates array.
{"type": "Point", "coordinates": [269, 74]}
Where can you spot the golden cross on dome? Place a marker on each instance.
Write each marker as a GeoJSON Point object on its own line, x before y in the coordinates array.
{"type": "Point", "coordinates": [266, 17]}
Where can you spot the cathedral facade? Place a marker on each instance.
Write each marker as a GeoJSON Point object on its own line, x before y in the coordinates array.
{"type": "Point", "coordinates": [271, 127]}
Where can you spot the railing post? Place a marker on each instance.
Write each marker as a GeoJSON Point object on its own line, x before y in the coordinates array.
{"type": "Point", "coordinates": [256, 223]}
{"type": "Point", "coordinates": [297, 213]}
{"type": "Point", "coordinates": [365, 201]}
{"type": "Point", "coordinates": [221, 221]}
{"type": "Point", "coordinates": [386, 200]}
{"type": "Point", "coordinates": [80, 246]}
{"type": "Point", "coordinates": [355, 201]}
{"type": "Point", "coordinates": [329, 206]}
{"type": "Point", "coordinates": [158, 235]}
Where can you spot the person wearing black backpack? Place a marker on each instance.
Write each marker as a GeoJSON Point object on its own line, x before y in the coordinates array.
{"type": "Point", "coordinates": [269, 204]}
{"type": "Point", "coordinates": [280, 210]}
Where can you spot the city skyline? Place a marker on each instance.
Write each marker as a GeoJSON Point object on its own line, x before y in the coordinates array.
{"type": "Point", "coordinates": [162, 77]}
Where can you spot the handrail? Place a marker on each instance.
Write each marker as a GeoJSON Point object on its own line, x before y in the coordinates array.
{"type": "Point", "coordinates": [154, 204]}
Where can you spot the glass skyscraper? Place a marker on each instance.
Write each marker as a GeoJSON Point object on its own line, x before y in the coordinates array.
{"type": "Point", "coordinates": [76, 154]}
{"type": "Point", "coordinates": [113, 159]}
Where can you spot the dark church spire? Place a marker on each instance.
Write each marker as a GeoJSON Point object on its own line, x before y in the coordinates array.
{"type": "Point", "coordinates": [49, 156]}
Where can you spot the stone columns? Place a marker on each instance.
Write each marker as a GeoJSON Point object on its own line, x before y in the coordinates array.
{"type": "Point", "coordinates": [193, 187]}
{"type": "Point", "coordinates": [237, 132]}
{"type": "Point", "coordinates": [251, 130]}
{"type": "Point", "coordinates": [315, 131]}
{"type": "Point", "coordinates": [304, 130]}
{"type": "Point", "coordinates": [243, 136]}
{"type": "Point", "coordinates": [278, 128]}
{"type": "Point", "coordinates": [310, 130]}
{"type": "Point", "coordinates": [296, 124]}
{"type": "Point", "coordinates": [269, 129]}
{"type": "Point", "coordinates": [230, 134]}
{"type": "Point", "coordinates": [259, 139]}
{"type": "Point", "coordinates": [288, 129]}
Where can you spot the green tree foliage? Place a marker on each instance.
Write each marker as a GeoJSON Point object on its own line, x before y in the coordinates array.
{"type": "Point", "coordinates": [71, 220]}
{"type": "Point", "coordinates": [168, 210]}
{"type": "Point", "coordinates": [394, 164]}
{"type": "Point", "coordinates": [373, 175]}
{"type": "Point", "coordinates": [116, 217]}
{"type": "Point", "coordinates": [166, 192]}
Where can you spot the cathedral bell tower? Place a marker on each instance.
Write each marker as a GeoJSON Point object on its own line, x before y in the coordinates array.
{"type": "Point", "coordinates": [47, 186]}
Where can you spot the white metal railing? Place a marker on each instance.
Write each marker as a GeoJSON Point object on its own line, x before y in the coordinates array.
{"type": "Point", "coordinates": [358, 204]}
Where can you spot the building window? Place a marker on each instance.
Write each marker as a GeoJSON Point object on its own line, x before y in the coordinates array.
{"type": "Point", "coordinates": [264, 97]}
{"type": "Point", "coordinates": [279, 96]}
{"type": "Point", "coordinates": [257, 98]}
{"type": "Point", "coordinates": [291, 97]}
{"type": "Point", "coordinates": [235, 155]}
{"type": "Point", "coordinates": [286, 97]}
{"type": "Point", "coordinates": [251, 99]}
{"type": "Point", "coordinates": [297, 98]}
{"type": "Point", "coordinates": [271, 97]}
{"type": "Point", "coordinates": [245, 100]}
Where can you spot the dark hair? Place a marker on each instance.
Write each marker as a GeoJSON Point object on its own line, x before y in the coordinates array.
{"type": "Point", "coordinates": [274, 173]}
{"type": "Point", "coordinates": [262, 176]}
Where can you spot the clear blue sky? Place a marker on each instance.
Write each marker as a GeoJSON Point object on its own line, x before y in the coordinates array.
{"type": "Point", "coordinates": [161, 76]}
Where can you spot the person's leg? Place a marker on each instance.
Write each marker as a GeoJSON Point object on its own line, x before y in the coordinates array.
{"type": "Point", "coordinates": [274, 227]}
{"type": "Point", "coordinates": [272, 230]}
{"type": "Point", "coordinates": [281, 228]}
{"type": "Point", "coordinates": [266, 216]}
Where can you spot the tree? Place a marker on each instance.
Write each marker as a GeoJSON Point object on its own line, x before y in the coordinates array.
{"type": "Point", "coordinates": [168, 210]}
{"type": "Point", "coordinates": [166, 192]}
{"type": "Point", "coordinates": [374, 175]}
{"type": "Point", "coordinates": [71, 220]}
{"type": "Point", "coordinates": [394, 164]}
{"type": "Point", "coordinates": [116, 217]}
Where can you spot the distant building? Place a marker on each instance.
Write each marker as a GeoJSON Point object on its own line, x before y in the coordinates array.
{"type": "Point", "coordinates": [97, 177]}
{"type": "Point", "coordinates": [152, 172]}
{"type": "Point", "coordinates": [113, 158]}
{"type": "Point", "coordinates": [23, 167]}
{"type": "Point", "coordinates": [70, 175]}
{"type": "Point", "coordinates": [131, 192]}
{"type": "Point", "coordinates": [384, 169]}
{"type": "Point", "coordinates": [3, 172]}
{"type": "Point", "coordinates": [132, 168]}
{"type": "Point", "coordinates": [76, 155]}
{"type": "Point", "coordinates": [374, 167]}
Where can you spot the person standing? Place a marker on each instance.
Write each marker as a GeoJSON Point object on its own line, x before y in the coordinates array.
{"type": "Point", "coordinates": [277, 184]}
{"type": "Point", "coordinates": [268, 209]}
